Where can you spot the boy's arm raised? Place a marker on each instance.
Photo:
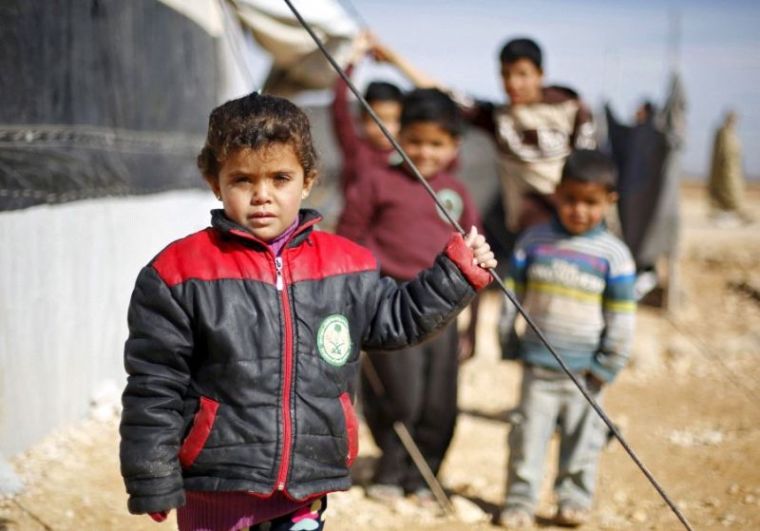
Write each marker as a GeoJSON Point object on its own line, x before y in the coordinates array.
{"type": "Point", "coordinates": [344, 127]}
{"type": "Point", "coordinates": [583, 136]}
{"type": "Point", "coordinates": [409, 313]}
{"type": "Point", "coordinates": [478, 113]}
{"type": "Point", "coordinates": [420, 79]}
{"type": "Point", "coordinates": [156, 358]}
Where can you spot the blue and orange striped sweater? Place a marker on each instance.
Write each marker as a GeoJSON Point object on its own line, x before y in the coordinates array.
{"type": "Point", "coordinates": [579, 291]}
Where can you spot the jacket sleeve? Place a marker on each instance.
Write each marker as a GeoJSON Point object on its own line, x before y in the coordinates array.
{"type": "Point", "coordinates": [478, 113]}
{"type": "Point", "coordinates": [346, 132]}
{"type": "Point", "coordinates": [619, 310]}
{"type": "Point", "coordinates": [583, 135]}
{"type": "Point", "coordinates": [408, 313]}
{"type": "Point", "coordinates": [156, 358]}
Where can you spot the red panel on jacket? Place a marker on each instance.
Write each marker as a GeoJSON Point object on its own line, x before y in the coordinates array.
{"type": "Point", "coordinates": [206, 255]}
{"type": "Point", "coordinates": [328, 255]}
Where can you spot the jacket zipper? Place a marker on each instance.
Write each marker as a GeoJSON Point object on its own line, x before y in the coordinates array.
{"type": "Point", "coordinates": [288, 361]}
{"type": "Point", "coordinates": [288, 369]}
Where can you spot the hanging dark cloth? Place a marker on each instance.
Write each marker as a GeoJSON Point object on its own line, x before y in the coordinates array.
{"type": "Point", "coordinates": [647, 158]}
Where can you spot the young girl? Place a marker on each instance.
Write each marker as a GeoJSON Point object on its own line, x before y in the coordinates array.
{"type": "Point", "coordinates": [244, 337]}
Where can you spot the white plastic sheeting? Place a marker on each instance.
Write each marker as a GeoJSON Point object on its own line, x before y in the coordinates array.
{"type": "Point", "coordinates": [279, 32]}
{"type": "Point", "coordinates": [297, 64]}
{"type": "Point", "coordinates": [66, 275]}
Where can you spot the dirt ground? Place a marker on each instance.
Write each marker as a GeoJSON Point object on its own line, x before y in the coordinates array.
{"type": "Point", "coordinates": [689, 405]}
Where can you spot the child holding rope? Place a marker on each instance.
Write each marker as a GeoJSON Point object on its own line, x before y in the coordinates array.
{"type": "Point", "coordinates": [244, 338]}
{"type": "Point", "coordinates": [575, 280]}
{"type": "Point", "coordinates": [389, 211]}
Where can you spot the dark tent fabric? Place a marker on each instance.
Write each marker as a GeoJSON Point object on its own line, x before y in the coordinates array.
{"type": "Point", "coordinates": [106, 97]}
{"type": "Point", "coordinates": [647, 159]}
{"type": "Point", "coordinates": [100, 97]}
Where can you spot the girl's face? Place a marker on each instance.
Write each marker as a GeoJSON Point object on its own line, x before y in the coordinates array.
{"type": "Point", "coordinates": [262, 189]}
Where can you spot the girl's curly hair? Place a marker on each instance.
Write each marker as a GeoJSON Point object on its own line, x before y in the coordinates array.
{"type": "Point", "coordinates": [255, 121]}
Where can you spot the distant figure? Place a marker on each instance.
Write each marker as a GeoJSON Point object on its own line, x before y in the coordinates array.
{"type": "Point", "coordinates": [645, 113]}
{"type": "Point", "coordinates": [576, 280]}
{"type": "Point", "coordinates": [726, 186]}
{"type": "Point", "coordinates": [390, 212]}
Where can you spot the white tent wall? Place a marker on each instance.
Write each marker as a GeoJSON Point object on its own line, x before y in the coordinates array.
{"type": "Point", "coordinates": [67, 275]}
{"type": "Point", "coordinates": [67, 270]}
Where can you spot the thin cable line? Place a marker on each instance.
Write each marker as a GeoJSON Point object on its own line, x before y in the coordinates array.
{"type": "Point", "coordinates": [374, 116]}
{"type": "Point", "coordinates": [32, 515]}
{"type": "Point", "coordinates": [493, 273]}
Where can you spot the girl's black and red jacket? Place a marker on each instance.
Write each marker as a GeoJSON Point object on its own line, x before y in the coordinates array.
{"type": "Point", "coordinates": [229, 388]}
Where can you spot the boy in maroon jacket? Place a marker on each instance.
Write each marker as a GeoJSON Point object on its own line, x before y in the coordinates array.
{"type": "Point", "coordinates": [390, 212]}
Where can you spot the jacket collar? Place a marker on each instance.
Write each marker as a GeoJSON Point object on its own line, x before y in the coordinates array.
{"type": "Point", "coordinates": [307, 218]}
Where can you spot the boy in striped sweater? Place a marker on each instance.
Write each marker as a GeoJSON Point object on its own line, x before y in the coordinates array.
{"type": "Point", "coordinates": [575, 280]}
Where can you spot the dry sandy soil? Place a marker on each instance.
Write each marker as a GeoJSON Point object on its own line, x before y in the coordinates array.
{"type": "Point", "coordinates": [689, 405]}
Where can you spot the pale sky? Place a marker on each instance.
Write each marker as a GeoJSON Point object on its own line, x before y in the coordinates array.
{"type": "Point", "coordinates": [606, 50]}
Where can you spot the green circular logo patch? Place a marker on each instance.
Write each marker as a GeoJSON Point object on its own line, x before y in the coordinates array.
{"type": "Point", "coordinates": [334, 340]}
{"type": "Point", "coordinates": [453, 203]}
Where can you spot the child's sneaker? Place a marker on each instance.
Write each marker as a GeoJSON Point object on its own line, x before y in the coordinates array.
{"type": "Point", "coordinates": [570, 516]}
{"type": "Point", "coordinates": [514, 518]}
{"type": "Point", "coordinates": [384, 493]}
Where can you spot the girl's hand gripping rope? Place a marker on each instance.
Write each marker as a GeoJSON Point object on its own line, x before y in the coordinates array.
{"type": "Point", "coordinates": [483, 255]}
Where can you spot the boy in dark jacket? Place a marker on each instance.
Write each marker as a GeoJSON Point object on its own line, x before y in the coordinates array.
{"type": "Point", "coordinates": [244, 337]}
